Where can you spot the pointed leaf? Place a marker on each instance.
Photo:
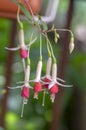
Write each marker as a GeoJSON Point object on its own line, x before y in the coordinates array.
{"type": "Point", "coordinates": [25, 11]}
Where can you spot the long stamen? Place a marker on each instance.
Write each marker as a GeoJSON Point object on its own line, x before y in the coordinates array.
{"type": "Point", "coordinates": [22, 109]}
{"type": "Point", "coordinates": [43, 102]}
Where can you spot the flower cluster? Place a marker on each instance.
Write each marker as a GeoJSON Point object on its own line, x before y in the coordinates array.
{"type": "Point", "coordinates": [49, 83]}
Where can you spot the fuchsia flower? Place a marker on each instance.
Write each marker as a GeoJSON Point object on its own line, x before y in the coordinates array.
{"type": "Point", "coordinates": [51, 81]}
{"type": "Point", "coordinates": [22, 47]}
{"type": "Point", "coordinates": [37, 85]}
{"type": "Point", "coordinates": [53, 85]}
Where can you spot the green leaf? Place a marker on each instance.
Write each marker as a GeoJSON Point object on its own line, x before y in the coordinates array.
{"type": "Point", "coordinates": [25, 11]}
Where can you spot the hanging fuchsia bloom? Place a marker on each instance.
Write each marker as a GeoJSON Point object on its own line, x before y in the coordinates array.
{"type": "Point", "coordinates": [47, 77]}
{"type": "Point", "coordinates": [53, 85]}
{"type": "Point", "coordinates": [22, 46]}
{"type": "Point", "coordinates": [25, 92]}
{"type": "Point", "coordinates": [37, 85]}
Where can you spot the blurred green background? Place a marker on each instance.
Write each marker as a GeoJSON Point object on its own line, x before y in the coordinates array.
{"type": "Point", "coordinates": [37, 117]}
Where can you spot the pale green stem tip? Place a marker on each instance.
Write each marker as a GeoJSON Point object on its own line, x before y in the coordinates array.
{"type": "Point", "coordinates": [28, 61]}
{"type": "Point", "coordinates": [72, 39]}
{"type": "Point", "coordinates": [54, 60]}
{"type": "Point", "coordinates": [49, 54]}
{"type": "Point", "coordinates": [21, 25]}
{"type": "Point", "coordinates": [40, 58]}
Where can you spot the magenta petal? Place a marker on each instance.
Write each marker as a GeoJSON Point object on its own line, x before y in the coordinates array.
{"type": "Point", "coordinates": [23, 53]}
{"type": "Point", "coordinates": [54, 89]}
{"type": "Point", "coordinates": [46, 80]}
{"type": "Point", "coordinates": [37, 87]}
{"type": "Point", "coordinates": [25, 92]}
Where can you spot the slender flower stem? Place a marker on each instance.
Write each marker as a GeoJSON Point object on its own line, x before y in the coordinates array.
{"type": "Point", "coordinates": [40, 47]}
{"type": "Point", "coordinates": [54, 59]}
{"type": "Point", "coordinates": [28, 5]}
{"type": "Point", "coordinates": [22, 109]}
{"type": "Point", "coordinates": [43, 102]}
{"type": "Point", "coordinates": [65, 30]}
{"type": "Point", "coordinates": [18, 19]}
{"type": "Point", "coordinates": [48, 49]}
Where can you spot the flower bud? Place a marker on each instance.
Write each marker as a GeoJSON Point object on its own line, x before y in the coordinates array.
{"type": "Point", "coordinates": [71, 45]}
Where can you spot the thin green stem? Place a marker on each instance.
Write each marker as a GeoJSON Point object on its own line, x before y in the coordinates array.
{"type": "Point", "coordinates": [53, 56]}
{"type": "Point", "coordinates": [65, 30]}
{"type": "Point", "coordinates": [30, 40]}
{"type": "Point", "coordinates": [18, 18]}
{"type": "Point", "coordinates": [29, 7]}
{"type": "Point", "coordinates": [40, 47]}
{"type": "Point", "coordinates": [48, 49]}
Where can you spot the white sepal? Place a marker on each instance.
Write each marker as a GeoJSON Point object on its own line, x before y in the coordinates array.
{"type": "Point", "coordinates": [62, 85]}
{"type": "Point", "coordinates": [12, 49]}
{"type": "Point", "coordinates": [59, 79]}
{"type": "Point", "coordinates": [15, 87]}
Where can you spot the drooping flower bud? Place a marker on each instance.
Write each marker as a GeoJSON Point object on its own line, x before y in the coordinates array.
{"type": "Point", "coordinates": [71, 45]}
